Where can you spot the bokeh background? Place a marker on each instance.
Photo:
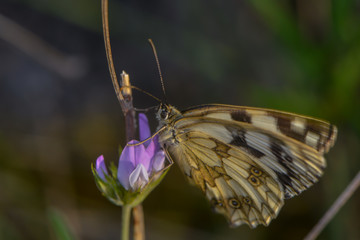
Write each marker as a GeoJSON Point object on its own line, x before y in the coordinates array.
{"type": "Point", "coordinates": [59, 111]}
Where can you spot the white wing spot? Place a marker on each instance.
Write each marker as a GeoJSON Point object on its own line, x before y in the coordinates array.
{"type": "Point", "coordinates": [264, 122]}
{"type": "Point", "coordinates": [312, 139]}
{"type": "Point", "coordinates": [298, 125]}
{"type": "Point", "coordinates": [224, 116]}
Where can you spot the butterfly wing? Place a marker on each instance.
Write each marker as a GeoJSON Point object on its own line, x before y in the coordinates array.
{"type": "Point", "coordinates": [317, 134]}
{"type": "Point", "coordinates": [247, 160]}
{"type": "Point", "coordinates": [285, 141]}
{"type": "Point", "coordinates": [223, 173]}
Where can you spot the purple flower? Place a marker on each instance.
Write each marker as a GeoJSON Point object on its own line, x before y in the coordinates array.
{"type": "Point", "coordinates": [138, 162]}
{"type": "Point", "coordinates": [101, 168]}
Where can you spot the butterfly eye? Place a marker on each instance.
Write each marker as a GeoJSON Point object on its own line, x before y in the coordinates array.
{"type": "Point", "coordinates": [164, 112]}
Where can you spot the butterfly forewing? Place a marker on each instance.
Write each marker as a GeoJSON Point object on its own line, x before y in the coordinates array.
{"type": "Point", "coordinates": [247, 160]}
{"type": "Point", "coordinates": [315, 133]}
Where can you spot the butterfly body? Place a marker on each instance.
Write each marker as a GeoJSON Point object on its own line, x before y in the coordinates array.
{"type": "Point", "coordinates": [245, 160]}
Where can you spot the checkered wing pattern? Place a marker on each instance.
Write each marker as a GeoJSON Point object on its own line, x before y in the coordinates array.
{"type": "Point", "coordinates": [247, 160]}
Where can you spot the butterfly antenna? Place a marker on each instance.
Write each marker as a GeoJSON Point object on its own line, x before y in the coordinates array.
{"type": "Point", "coordinates": [143, 91]}
{"type": "Point", "coordinates": [159, 69]}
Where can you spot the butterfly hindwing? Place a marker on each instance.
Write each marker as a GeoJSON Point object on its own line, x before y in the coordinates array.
{"type": "Point", "coordinates": [234, 184]}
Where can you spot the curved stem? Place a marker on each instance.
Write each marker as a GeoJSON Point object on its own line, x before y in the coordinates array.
{"type": "Point", "coordinates": [125, 223]}
{"type": "Point", "coordinates": [106, 33]}
{"type": "Point", "coordinates": [124, 95]}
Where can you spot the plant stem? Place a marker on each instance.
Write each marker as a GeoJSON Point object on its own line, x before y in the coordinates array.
{"type": "Point", "coordinates": [129, 113]}
{"type": "Point", "coordinates": [125, 223]}
{"type": "Point", "coordinates": [139, 226]}
{"type": "Point", "coordinates": [340, 201]}
{"type": "Point", "coordinates": [124, 96]}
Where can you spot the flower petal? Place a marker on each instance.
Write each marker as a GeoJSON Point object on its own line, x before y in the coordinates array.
{"type": "Point", "coordinates": [128, 153]}
{"type": "Point", "coordinates": [136, 154]}
{"type": "Point", "coordinates": [144, 129]}
{"type": "Point", "coordinates": [130, 158]}
{"type": "Point", "coordinates": [151, 147]}
{"type": "Point", "coordinates": [158, 161]}
{"type": "Point", "coordinates": [154, 145]}
{"type": "Point", "coordinates": [125, 168]}
{"type": "Point", "coordinates": [139, 177]}
{"type": "Point", "coordinates": [142, 156]}
{"type": "Point", "coordinates": [100, 167]}
{"type": "Point", "coordinates": [127, 163]}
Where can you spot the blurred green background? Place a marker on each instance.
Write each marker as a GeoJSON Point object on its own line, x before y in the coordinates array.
{"type": "Point", "coordinates": [59, 111]}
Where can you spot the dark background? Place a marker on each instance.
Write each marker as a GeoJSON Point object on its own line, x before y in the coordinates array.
{"type": "Point", "coordinates": [59, 111]}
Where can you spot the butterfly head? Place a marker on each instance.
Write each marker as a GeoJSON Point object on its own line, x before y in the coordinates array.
{"type": "Point", "coordinates": [167, 113]}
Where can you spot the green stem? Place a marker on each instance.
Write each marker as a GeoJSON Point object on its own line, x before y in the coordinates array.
{"type": "Point", "coordinates": [125, 228]}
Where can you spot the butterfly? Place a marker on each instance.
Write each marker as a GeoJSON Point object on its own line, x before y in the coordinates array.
{"type": "Point", "coordinates": [245, 160]}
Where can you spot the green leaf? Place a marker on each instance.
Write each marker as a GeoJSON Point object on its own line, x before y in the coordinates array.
{"type": "Point", "coordinates": [59, 226]}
